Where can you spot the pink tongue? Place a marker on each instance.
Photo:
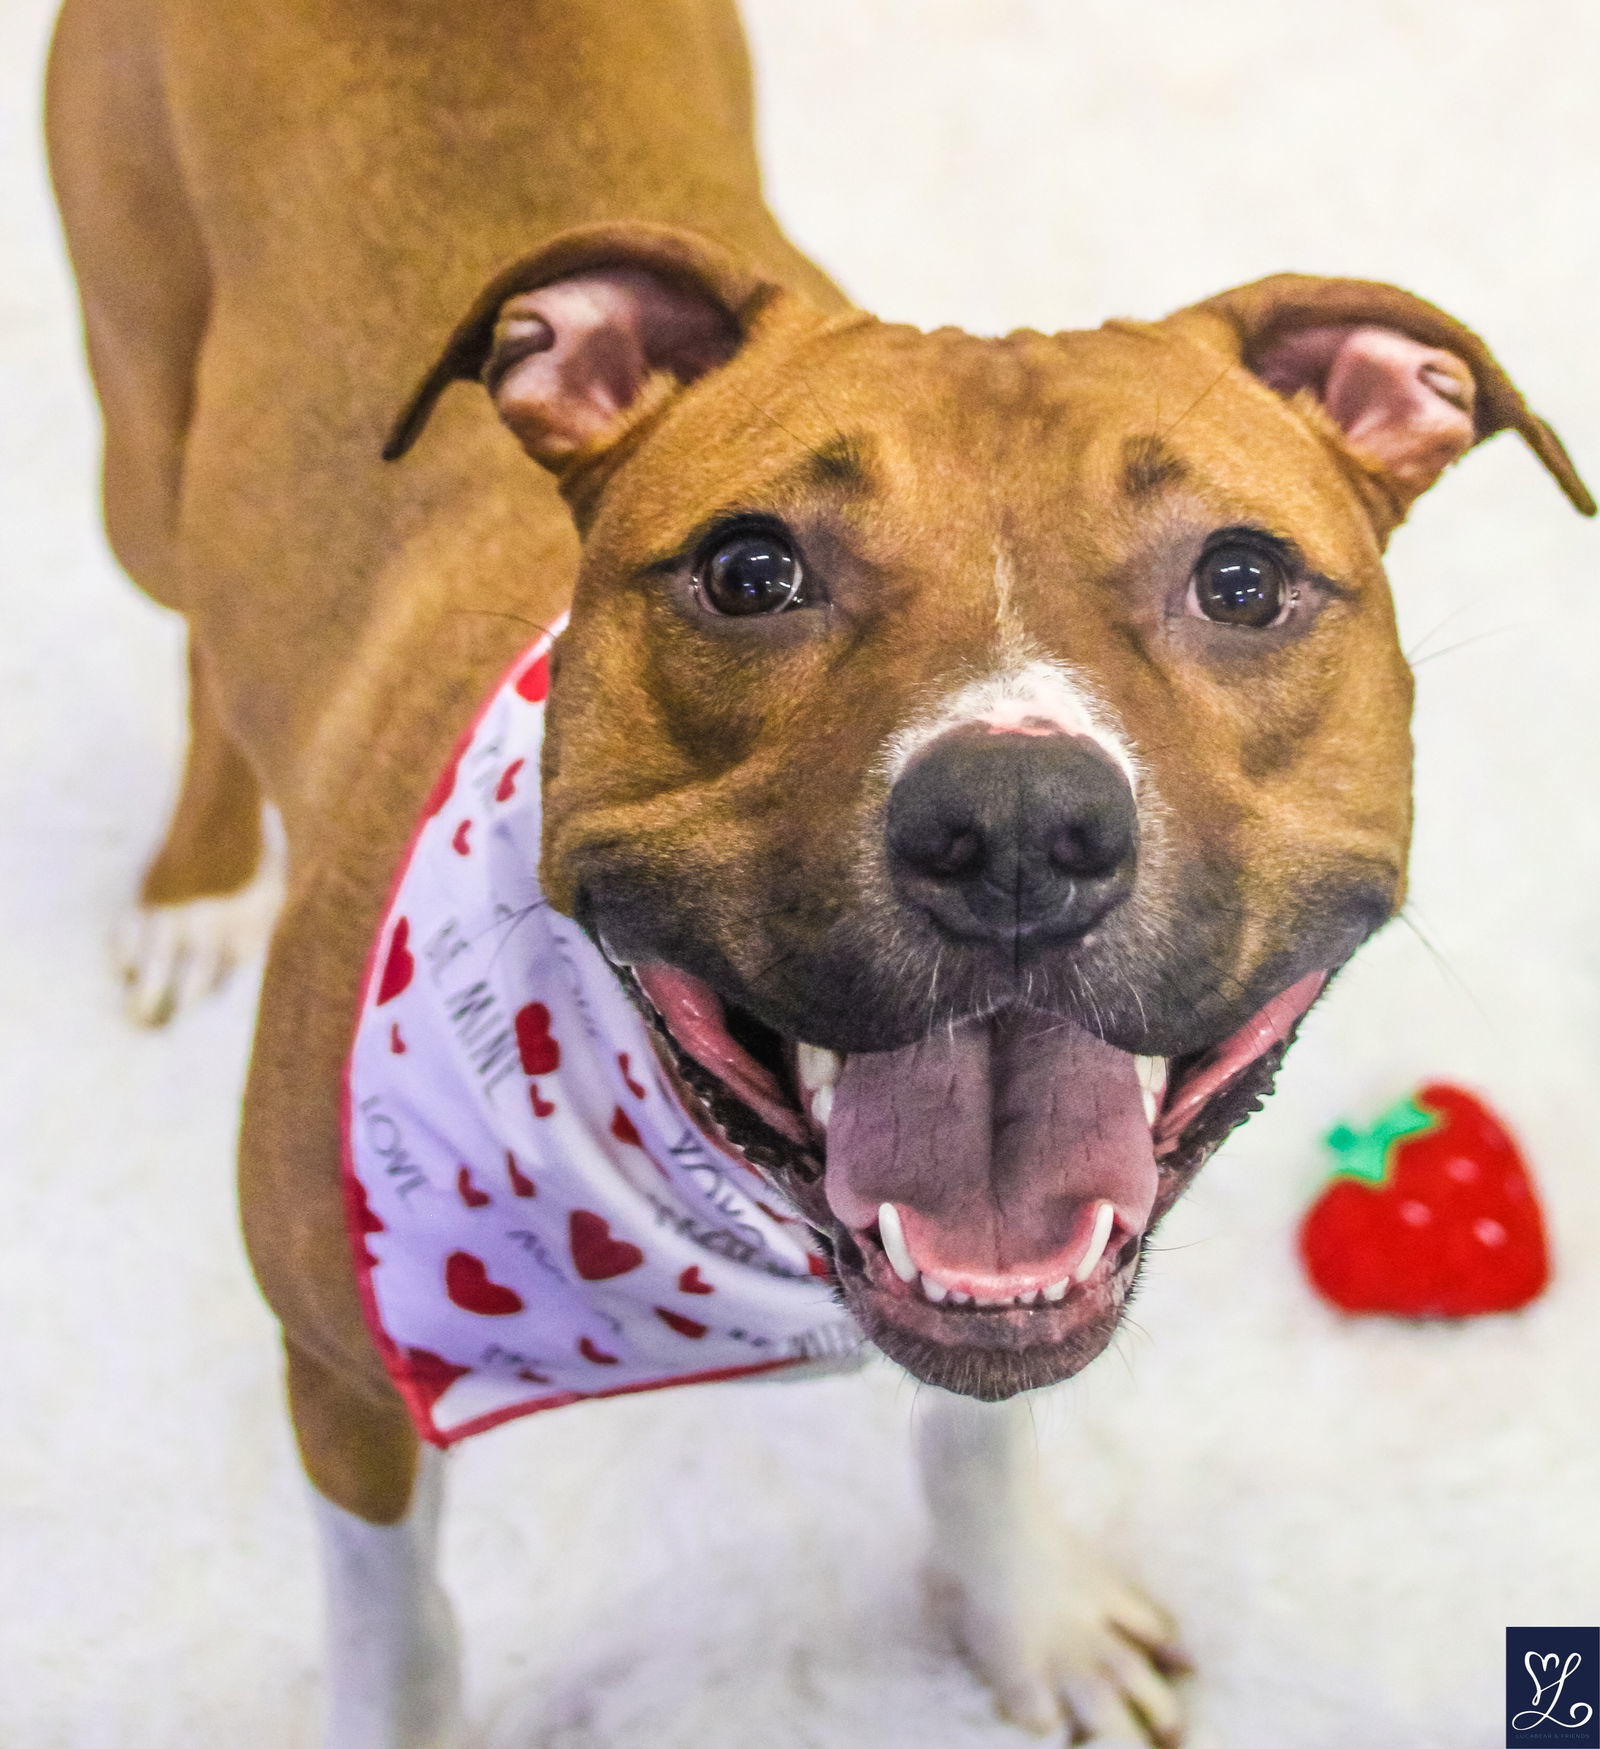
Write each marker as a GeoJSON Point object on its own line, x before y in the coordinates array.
{"type": "Point", "coordinates": [993, 1139]}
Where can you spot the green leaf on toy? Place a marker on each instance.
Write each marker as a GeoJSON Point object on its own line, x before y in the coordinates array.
{"type": "Point", "coordinates": [1369, 1154]}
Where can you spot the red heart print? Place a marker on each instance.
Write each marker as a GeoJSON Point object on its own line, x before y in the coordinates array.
{"type": "Point", "coordinates": [396, 1044]}
{"type": "Point", "coordinates": [818, 1266]}
{"type": "Point", "coordinates": [445, 786]}
{"type": "Point", "coordinates": [399, 968]}
{"type": "Point", "coordinates": [1431, 1213]}
{"type": "Point", "coordinates": [521, 1183]}
{"type": "Point", "coordinates": [506, 788]}
{"type": "Point", "coordinates": [468, 1191]}
{"type": "Point", "coordinates": [598, 1254]}
{"type": "Point", "coordinates": [541, 1054]}
{"type": "Point", "coordinates": [431, 1374]}
{"type": "Point", "coordinates": [622, 1128]}
{"type": "Point", "coordinates": [542, 1107]}
{"type": "Point", "coordinates": [693, 1282]}
{"type": "Point", "coordinates": [634, 1088]}
{"type": "Point", "coordinates": [366, 1221]}
{"type": "Point", "coordinates": [684, 1326]}
{"type": "Point", "coordinates": [533, 683]}
{"type": "Point", "coordinates": [362, 1219]}
{"type": "Point", "coordinates": [467, 1283]}
{"type": "Point", "coordinates": [598, 1355]}
{"type": "Point", "coordinates": [459, 843]}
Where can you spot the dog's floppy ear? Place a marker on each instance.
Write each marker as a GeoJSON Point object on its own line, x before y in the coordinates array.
{"type": "Point", "coordinates": [579, 339]}
{"type": "Point", "coordinates": [1403, 388]}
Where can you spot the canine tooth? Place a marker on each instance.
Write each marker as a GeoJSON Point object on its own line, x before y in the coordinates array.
{"type": "Point", "coordinates": [822, 1105]}
{"type": "Point", "coordinates": [893, 1236]}
{"type": "Point", "coordinates": [615, 955]}
{"type": "Point", "coordinates": [816, 1066]}
{"type": "Point", "coordinates": [1152, 1073]}
{"type": "Point", "coordinates": [1057, 1290]}
{"type": "Point", "coordinates": [1104, 1214]}
{"type": "Point", "coordinates": [934, 1290]}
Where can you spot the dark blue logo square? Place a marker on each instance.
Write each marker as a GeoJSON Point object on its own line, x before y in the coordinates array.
{"type": "Point", "coordinates": [1553, 1687]}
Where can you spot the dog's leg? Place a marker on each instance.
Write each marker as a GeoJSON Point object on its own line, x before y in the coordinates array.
{"type": "Point", "coordinates": [1058, 1638]}
{"type": "Point", "coordinates": [146, 291]}
{"type": "Point", "coordinates": [392, 1668]}
{"type": "Point", "coordinates": [210, 895]}
{"type": "Point", "coordinates": [140, 260]}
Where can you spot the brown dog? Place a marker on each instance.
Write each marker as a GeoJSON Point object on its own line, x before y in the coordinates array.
{"type": "Point", "coordinates": [979, 752]}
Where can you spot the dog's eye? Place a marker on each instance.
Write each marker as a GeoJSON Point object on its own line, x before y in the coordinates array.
{"type": "Point", "coordinates": [1241, 584]}
{"type": "Point", "coordinates": [753, 570]}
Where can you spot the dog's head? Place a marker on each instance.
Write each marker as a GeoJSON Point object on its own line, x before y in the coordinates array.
{"type": "Point", "coordinates": [976, 753]}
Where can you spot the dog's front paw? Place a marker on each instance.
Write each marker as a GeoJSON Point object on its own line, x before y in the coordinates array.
{"type": "Point", "coordinates": [168, 957]}
{"type": "Point", "coordinates": [1062, 1641]}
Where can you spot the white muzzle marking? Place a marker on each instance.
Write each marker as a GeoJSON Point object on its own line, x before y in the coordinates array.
{"type": "Point", "coordinates": [1041, 696]}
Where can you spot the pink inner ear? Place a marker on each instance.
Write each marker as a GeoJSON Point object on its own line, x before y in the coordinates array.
{"type": "Point", "coordinates": [1406, 406]}
{"type": "Point", "coordinates": [571, 357]}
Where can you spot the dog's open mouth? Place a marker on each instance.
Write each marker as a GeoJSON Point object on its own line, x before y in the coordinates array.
{"type": "Point", "coordinates": [985, 1192]}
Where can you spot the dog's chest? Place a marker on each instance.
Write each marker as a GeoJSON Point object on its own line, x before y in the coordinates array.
{"type": "Point", "coordinates": [534, 1217]}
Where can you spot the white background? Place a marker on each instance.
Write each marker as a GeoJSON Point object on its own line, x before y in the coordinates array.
{"type": "Point", "coordinates": [1344, 1517]}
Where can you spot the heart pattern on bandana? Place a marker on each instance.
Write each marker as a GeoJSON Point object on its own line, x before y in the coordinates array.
{"type": "Point", "coordinates": [445, 787]}
{"type": "Point", "coordinates": [540, 1053]}
{"type": "Point", "coordinates": [467, 1283]}
{"type": "Point", "coordinates": [597, 1254]}
{"type": "Point", "coordinates": [469, 1192]}
{"type": "Point", "coordinates": [533, 683]}
{"type": "Point", "coordinates": [400, 967]}
{"type": "Point", "coordinates": [363, 1222]}
{"type": "Point", "coordinates": [431, 1374]}
{"type": "Point", "coordinates": [510, 1142]}
{"type": "Point", "coordinates": [506, 788]}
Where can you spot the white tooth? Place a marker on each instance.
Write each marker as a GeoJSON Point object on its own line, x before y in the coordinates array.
{"type": "Point", "coordinates": [959, 1299]}
{"type": "Point", "coordinates": [816, 1067]}
{"type": "Point", "coordinates": [1031, 1298]}
{"type": "Point", "coordinates": [1057, 1290]}
{"type": "Point", "coordinates": [933, 1290]}
{"type": "Point", "coordinates": [615, 955]}
{"type": "Point", "coordinates": [1104, 1214]}
{"type": "Point", "coordinates": [822, 1105]}
{"type": "Point", "coordinates": [895, 1248]}
{"type": "Point", "coordinates": [1152, 1073]}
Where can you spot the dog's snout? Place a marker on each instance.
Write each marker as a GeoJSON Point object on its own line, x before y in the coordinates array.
{"type": "Point", "coordinates": [1013, 838]}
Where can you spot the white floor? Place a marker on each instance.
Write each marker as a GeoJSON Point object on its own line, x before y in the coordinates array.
{"type": "Point", "coordinates": [1344, 1517]}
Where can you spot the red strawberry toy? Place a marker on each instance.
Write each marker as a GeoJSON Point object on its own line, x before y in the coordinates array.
{"type": "Point", "coordinates": [1430, 1214]}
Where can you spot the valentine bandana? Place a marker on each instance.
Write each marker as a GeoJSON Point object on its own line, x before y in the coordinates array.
{"type": "Point", "coordinates": [534, 1216]}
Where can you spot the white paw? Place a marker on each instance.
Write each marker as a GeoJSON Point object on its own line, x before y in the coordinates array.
{"type": "Point", "coordinates": [1063, 1642]}
{"type": "Point", "coordinates": [170, 956]}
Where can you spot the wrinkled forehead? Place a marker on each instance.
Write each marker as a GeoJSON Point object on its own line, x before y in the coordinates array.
{"type": "Point", "coordinates": [1081, 435]}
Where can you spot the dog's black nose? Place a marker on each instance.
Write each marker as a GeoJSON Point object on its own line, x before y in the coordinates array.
{"type": "Point", "coordinates": [1024, 839]}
